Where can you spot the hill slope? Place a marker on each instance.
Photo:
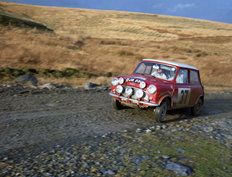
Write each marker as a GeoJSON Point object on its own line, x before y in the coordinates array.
{"type": "Point", "coordinates": [110, 41]}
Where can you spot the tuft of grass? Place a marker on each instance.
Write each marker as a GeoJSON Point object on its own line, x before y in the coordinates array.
{"type": "Point", "coordinates": [202, 54]}
{"type": "Point", "coordinates": [125, 53]}
{"type": "Point", "coordinates": [108, 42]}
{"type": "Point", "coordinates": [139, 57]}
{"type": "Point", "coordinates": [111, 42]}
{"type": "Point", "coordinates": [79, 44]}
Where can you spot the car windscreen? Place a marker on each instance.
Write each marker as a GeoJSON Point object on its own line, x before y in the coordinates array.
{"type": "Point", "coordinates": [157, 70]}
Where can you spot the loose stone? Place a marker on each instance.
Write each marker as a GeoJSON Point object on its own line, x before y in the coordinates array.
{"type": "Point", "coordinates": [179, 169]}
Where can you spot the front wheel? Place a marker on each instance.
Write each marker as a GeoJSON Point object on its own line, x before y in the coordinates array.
{"type": "Point", "coordinates": [160, 111]}
{"type": "Point", "coordinates": [197, 107]}
{"type": "Point", "coordinates": [116, 104]}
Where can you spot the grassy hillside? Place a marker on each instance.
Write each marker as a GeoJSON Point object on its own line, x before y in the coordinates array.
{"type": "Point", "coordinates": [104, 42]}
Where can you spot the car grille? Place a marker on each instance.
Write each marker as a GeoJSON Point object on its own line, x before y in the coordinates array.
{"type": "Point", "coordinates": [134, 96]}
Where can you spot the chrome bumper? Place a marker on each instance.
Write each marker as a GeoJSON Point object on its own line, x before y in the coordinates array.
{"type": "Point", "coordinates": [133, 100]}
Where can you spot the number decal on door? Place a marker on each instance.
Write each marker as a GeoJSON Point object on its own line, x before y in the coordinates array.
{"type": "Point", "coordinates": [184, 95]}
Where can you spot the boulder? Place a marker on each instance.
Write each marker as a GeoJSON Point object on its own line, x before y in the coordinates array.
{"type": "Point", "coordinates": [26, 79]}
{"type": "Point", "coordinates": [179, 169]}
{"type": "Point", "coordinates": [48, 86]}
{"type": "Point", "coordinates": [90, 85]}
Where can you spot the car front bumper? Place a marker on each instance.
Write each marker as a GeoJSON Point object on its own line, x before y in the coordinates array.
{"type": "Point", "coordinates": [126, 99]}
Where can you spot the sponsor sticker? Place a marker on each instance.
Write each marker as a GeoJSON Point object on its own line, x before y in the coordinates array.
{"type": "Point", "coordinates": [133, 80]}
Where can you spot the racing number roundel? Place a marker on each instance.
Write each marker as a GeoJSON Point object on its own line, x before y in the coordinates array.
{"type": "Point", "coordinates": [183, 96]}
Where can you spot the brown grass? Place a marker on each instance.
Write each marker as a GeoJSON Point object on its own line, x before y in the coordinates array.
{"type": "Point", "coordinates": [110, 41]}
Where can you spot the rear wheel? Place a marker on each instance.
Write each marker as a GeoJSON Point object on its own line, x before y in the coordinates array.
{"type": "Point", "coordinates": [195, 110]}
{"type": "Point", "coordinates": [160, 111]}
{"type": "Point", "coordinates": [116, 104]}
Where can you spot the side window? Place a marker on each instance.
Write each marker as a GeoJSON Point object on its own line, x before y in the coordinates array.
{"type": "Point", "coordinates": [194, 77]}
{"type": "Point", "coordinates": [182, 77]}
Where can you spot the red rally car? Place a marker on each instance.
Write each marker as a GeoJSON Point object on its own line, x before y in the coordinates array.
{"type": "Point", "coordinates": [159, 85]}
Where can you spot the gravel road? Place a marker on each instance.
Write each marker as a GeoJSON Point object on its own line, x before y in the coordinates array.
{"type": "Point", "coordinates": [47, 117]}
{"type": "Point", "coordinates": [38, 119]}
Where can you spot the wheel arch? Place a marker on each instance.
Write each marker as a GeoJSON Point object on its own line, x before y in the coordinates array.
{"type": "Point", "coordinates": [166, 97]}
{"type": "Point", "coordinates": [200, 97]}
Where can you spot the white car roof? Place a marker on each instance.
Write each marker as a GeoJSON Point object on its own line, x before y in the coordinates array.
{"type": "Point", "coordinates": [172, 63]}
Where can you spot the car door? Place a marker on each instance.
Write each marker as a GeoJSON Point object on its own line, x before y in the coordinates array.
{"type": "Point", "coordinates": [182, 92]}
{"type": "Point", "coordinates": [195, 84]}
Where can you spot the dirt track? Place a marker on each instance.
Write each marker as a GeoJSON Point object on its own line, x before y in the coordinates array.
{"type": "Point", "coordinates": [43, 118]}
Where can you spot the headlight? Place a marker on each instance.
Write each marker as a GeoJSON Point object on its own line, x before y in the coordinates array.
{"type": "Point", "coordinates": [142, 84]}
{"type": "Point", "coordinates": [114, 81]}
{"type": "Point", "coordinates": [129, 91]}
{"type": "Point", "coordinates": [152, 89]}
{"type": "Point", "coordinates": [119, 89]}
{"type": "Point", "coordinates": [121, 80]}
{"type": "Point", "coordinates": [139, 93]}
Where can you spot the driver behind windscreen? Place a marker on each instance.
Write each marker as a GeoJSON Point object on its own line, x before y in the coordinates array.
{"type": "Point", "coordinates": [158, 72]}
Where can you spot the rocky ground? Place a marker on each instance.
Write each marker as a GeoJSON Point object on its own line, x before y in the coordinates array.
{"type": "Point", "coordinates": [75, 132]}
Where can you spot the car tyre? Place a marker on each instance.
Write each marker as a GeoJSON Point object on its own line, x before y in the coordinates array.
{"type": "Point", "coordinates": [160, 111]}
{"type": "Point", "coordinates": [116, 104]}
{"type": "Point", "coordinates": [195, 110]}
